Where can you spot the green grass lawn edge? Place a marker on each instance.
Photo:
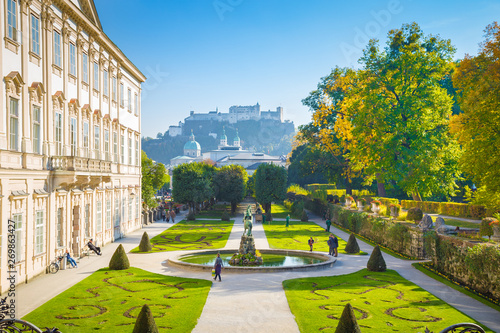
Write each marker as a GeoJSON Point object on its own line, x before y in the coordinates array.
{"type": "Point", "coordinates": [464, 291]}
{"type": "Point", "coordinates": [372, 243]}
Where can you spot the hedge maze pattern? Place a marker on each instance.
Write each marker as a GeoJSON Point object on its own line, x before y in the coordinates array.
{"type": "Point", "coordinates": [115, 298]}
{"type": "Point", "coordinates": [381, 302]}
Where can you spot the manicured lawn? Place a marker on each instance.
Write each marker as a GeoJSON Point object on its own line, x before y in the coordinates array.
{"type": "Point", "coordinates": [461, 224]}
{"type": "Point", "coordinates": [279, 211]}
{"type": "Point", "coordinates": [382, 302]}
{"type": "Point", "coordinates": [297, 235]}
{"type": "Point", "coordinates": [192, 235]}
{"type": "Point", "coordinates": [109, 301]}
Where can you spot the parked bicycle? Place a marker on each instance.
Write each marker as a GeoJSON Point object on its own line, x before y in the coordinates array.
{"type": "Point", "coordinates": [56, 265]}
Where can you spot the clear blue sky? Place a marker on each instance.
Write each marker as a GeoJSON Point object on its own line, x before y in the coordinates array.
{"type": "Point", "coordinates": [203, 54]}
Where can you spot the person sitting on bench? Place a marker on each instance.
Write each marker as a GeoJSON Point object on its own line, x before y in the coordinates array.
{"type": "Point", "coordinates": [94, 248]}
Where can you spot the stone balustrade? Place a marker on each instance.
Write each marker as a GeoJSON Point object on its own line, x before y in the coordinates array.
{"type": "Point", "coordinates": [73, 163]}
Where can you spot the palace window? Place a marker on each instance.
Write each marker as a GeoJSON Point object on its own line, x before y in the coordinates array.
{"type": "Point", "coordinates": [129, 101]}
{"type": "Point", "coordinates": [122, 95]}
{"type": "Point", "coordinates": [14, 124]}
{"type": "Point", "coordinates": [72, 59]}
{"type": "Point", "coordinates": [108, 214]}
{"type": "Point", "coordinates": [115, 147]}
{"type": "Point", "coordinates": [136, 105]}
{"type": "Point", "coordinates": [12, 19]}
{"type": "Point", "coordinates": [117, 211]}
{"type": "Point", "coordinates": [114, 88]}
{"type": "Point", "coordinates": [57, 49]}
{"type": "Point", "coordinates": [85, 67]}
{"type": "Point", "coordinates": [58, 132]}
{"type": "Point", "coordinates": [130, 151]}
{"type": "Point", "coordinates": [87, 220]}
{"type": "Point", "coordinates": [137, 152]}
{"type": "Point", "coordinates": [130, 206]}
{"type": "Point", "coordinates": [96, 76]}
{"type": "Point", "coordinates": [106, 145]}
{"type": "Point", "coordinates": [105, 83]}
{"type": "Point", "coordinates": [122, 150]}
{"type": "Point", "coordinates": [59, 227]}
{"type": "Point", "coordinates": [35, 35]}
{"type": "Point", "coordinates": [36, 130]}
{"type": "Point", "coordinates": [99, 216]}
{"type": "Point", "coordinates": [39, 232]}
{"type": "Point", "coordinates": [137, 207]}
{"type": "Point", "coordinates": [97, 143]}
{"type": "Point", "coordinates": [73, 136]}
{"type": "Point", "coordinates": [18, 232]}
{"type": "Point", "coordinates": [86, 139]}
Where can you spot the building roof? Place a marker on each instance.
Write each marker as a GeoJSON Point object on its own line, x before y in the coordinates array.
{"type": "Point", "coordinates": [183, 157]}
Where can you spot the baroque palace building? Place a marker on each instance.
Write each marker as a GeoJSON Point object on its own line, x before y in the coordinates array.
{"type": "Point", "coordinates": [70, 166]}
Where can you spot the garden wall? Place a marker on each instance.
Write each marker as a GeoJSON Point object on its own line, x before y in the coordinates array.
{"type": "Point", "coordinates": [447, 208]}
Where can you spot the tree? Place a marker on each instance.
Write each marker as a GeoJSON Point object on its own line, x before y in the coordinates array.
{"type": "Point", "coordinates": [399, 112]}
{"type": "Point", "coordinates": [192, 183]}
{"type": "Point", "coordinates": [270, 184]}
{"type": "Point", "coordinates": [376, 263]}
{"type": "Point", "coordinates": [477, 128]}
{"type": "Point", "coordinates": [230, 184]}
{"type": "Point", "coordinates": [145, 322]}
{"type": "Point", "coordinates": [119, 260]}
{"type": "Point", "coordinates": [347, 322]}
{"type": "Point", "coordinates": [145, 244]}
{"type": "Point", "coordinates": [154, 176]}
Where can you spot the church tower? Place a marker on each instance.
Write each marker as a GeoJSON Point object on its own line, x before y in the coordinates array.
{"type": "Point", "coordinates": [223, 138]}
{"type": "Point", "coordinates": [236, 141]}
{"type": "Point", "coordinates": [192, 148]}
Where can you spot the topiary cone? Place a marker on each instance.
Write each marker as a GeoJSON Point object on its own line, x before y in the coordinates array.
{"type": "Point", "coordinates": [145, 245]}
{"type": "Point", "coordinates": [348, 323]}
{"type": "Point", "coordinates": [304, 217]}
{"type": "Point", "coordinates": [225, 216]}
{"type": "Point", "coordinates": [352, 245]}
{"type": "Point", "coordinates": [145, 322]}
{"type": "Point", "coordinates": [376, 263]}
{"type": "Point", "coordinates": [119, 260]}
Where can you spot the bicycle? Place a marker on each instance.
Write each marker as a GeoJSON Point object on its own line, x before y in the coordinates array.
{"type": "Point", "coordinates": [55, 265]}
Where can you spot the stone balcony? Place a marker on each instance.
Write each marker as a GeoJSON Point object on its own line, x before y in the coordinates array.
{"type": "Point", "coordinates": [73, 163]}
{"type": "Point", "coordinates": [68, 172]}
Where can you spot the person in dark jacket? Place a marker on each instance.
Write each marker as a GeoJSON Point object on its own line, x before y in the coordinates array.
{"type": "Point", "coordinates": [218, 267]}
{"type": "Point", "coordinates": [333, 244]}
{"type": "Point", "coordinates": [94, 248]}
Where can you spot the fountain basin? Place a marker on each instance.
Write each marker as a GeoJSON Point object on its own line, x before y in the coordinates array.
{"type": "Point", "coordinates": [293, 260]}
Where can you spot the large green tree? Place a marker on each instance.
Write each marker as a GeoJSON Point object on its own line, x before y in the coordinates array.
{"type": "Point", "coordinates": [400, 113]}
{"type": "Point", "coordinates": [230, 184]}
{"type": "Point", "coordinates": [478, 128]}
{"type": "Point", "coordinates": [154, 176]}
{"type": "Point", "coordinates": [270, 184]}
{"type": "Point", "coordinates": [192, 183]}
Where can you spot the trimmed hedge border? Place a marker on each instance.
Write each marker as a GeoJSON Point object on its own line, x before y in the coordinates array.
{"type": "Point", "coordinates": [447, 208]}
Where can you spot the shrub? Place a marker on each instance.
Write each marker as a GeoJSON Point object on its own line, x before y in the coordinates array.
{"type": "Point", "coordinates": [225, 216]}
{"type": "Point", "coordinates": [347, 322]}
{"type": "Point", "coordinates": [352, 245]}
{"type": "Point", "coordinates": [190, 216]}
{"type": "Point", "coordinates": [119, 260]}
{"type": "Point", "coordinates": [145, 245]}
{"type": "Point", "coordinates": [395, 208]}
{"type": "Point", "coordinates": [376, 263]}
{"type": "Point", "coordinates": [297, 208]}
{"type": "Point", "coordinates": [485, 229]}
{"type": "Point", "coordinates": [145, 322]}
{"type": "Point", "coordinates": [304, 217]}
{"type": "Point", "coordinates": [414, 214]}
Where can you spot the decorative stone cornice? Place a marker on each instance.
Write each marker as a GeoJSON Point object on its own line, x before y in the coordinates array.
{"type": "Point", "coordinates": [13, 83]}
{"type": "Point", "coordinates": [36, 92]}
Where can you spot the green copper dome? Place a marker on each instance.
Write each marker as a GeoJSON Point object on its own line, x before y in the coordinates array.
{"type": "Point", "coordinates": [192, 144]}
{"type": "Point", "coordinates": [223, 136]}
{"type": "Point", "coordinates": [237, 138]}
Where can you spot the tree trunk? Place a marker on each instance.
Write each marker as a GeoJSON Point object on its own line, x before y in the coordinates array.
{"type": "Point", "coordinates": [380, 186]}
{"type": "Point", "coordinates": [416, 196]}
{"type": "Point", "coordinates": [348, 186]}
{"type": "Point", "coordinates": [233, 207]}
{"type": "Point", "coordinates": [267, 207]}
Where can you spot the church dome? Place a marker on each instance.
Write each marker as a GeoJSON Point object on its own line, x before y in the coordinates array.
{"type": "Point", "coordinates": [223, 136]}
{"type": "Point", "coordinates": [192, 144]}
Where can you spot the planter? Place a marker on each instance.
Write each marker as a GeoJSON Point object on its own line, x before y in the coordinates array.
{"type": "Point", "coordinates": [348, 203]}
{"type": "Point", "coordinates": [375, 208]}
{"type": "Point", "coordinates": [360, 206]}
{"type": "Point", "coordinates": [496, 232]}
{"type": "Point", "coordinates": [394, 212]}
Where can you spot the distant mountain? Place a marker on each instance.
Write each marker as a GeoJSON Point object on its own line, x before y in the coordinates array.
{"type": "Point", "coordinates": [266, 135]}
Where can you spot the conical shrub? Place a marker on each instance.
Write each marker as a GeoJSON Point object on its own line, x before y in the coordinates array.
{"type": "Point", "coordinates": [304, 217]}
{"type": "Point", "coordinates": [348, 323]}
{"type": "Point", "coordinates": [376, 263]}
{"type": "Point", "coordinates": [352, 245]}
{"type": "Point", "coordinates": [145, 245]}
{"type": "Point", "coordinates": [225, 216]}
{"type": "Point", "coordinates": [145, 322]}
{"type": "Point", "coordinates": [119, 260]}
{"type": "Point", "coordinates": [190, 216]}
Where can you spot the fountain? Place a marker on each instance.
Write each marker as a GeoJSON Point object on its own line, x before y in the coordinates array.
{"type": "Point", "coordinates": [247, 254]}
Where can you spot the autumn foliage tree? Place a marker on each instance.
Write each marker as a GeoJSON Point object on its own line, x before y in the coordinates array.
{"type": "Point", "coordinates": [477, 82]}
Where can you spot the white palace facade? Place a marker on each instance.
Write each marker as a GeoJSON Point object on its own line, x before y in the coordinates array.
{"type": "Point", "coordinates": [70, 124]}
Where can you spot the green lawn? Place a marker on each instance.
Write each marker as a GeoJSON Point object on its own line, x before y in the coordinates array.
{"type": "Point", "coordinates": [192, 235]}
{"type": "Point", "coordinates": [297, 235]}
{"type": "Point", "coordinates": [461, 224]}
{"type": "Point", "coordinates": [110, 301]}
{"type": "Point", "coordinates": [382, 302]}
{"type": "Point", "coordinates": [279, 211]}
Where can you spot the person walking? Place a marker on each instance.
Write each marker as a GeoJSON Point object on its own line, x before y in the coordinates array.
{"type": "Point", "coordinates": [335, 245]}
{"type": "Point", "coordinates": [310, 242]}
{"type": "Point", "coordinates": [172, 215]}
{"type": "Point", "coordinates": [328, 224]}
{"type": "Point", "coordinates": [330, 245]}
{"type": "Point", "coordinates": [218, 266]}
{"type": "Point", "coordinates": [167, 214]}
{"type": "Point", "coordinates": [288, 220]}
{"type": "Point", "coordinates": [70, 260]}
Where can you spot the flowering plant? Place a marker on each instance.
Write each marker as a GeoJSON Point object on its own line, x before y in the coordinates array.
{"type": "Point", "coordinates": [348, 197]}
{"type": "Point", "coordinates": [376, 202]}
